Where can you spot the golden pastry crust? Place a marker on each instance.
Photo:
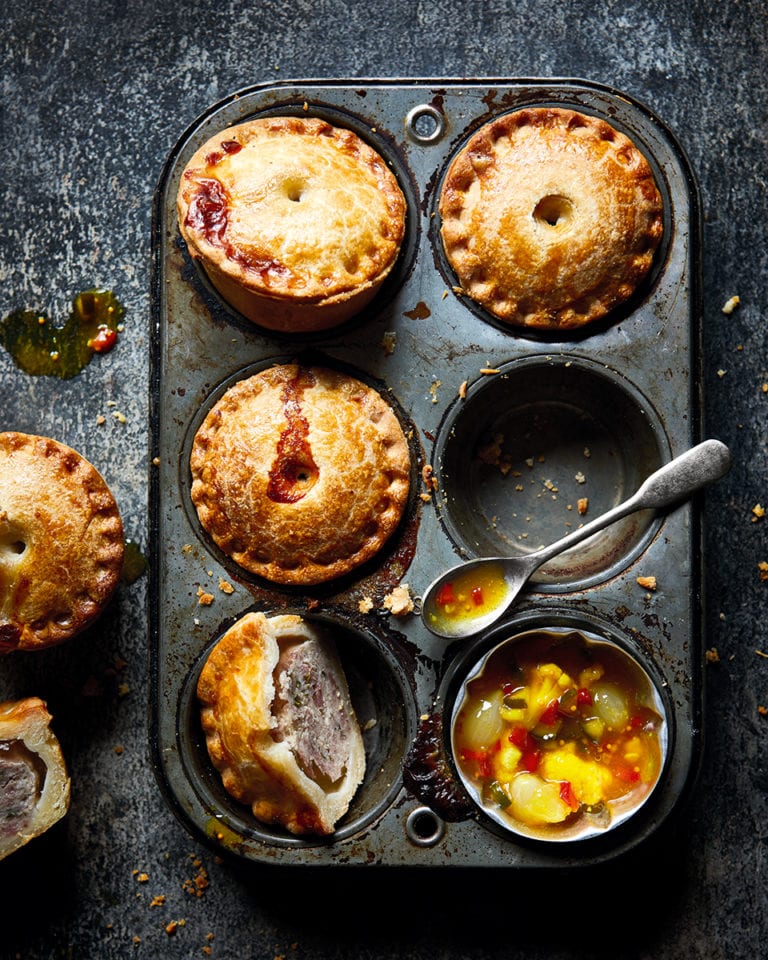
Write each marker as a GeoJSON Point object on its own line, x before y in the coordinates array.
{"type": "Point", "coordinates": [296, 222]}
{"type": "Point", "coordinates": [61, 542]}
{"type": "Point", "coordinates": [36, 785]}
{"type": "Point", "coordinates": [300, 474]}
{"type": "Point", "coordinates": [550, 218]}
{"type": "Point", "coordinates": [305, 780]}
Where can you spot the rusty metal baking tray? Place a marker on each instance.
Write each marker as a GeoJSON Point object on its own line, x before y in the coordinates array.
{"type": "Point", "coordinates": [627, 389]}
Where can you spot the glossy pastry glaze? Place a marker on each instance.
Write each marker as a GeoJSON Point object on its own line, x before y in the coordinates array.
{"type": "Point", "coordinates": [550, 218]}
{"type": "Point", "coordinates": [300, 474]}
{"type": "Point", "coordinates": [296, 222]}
{"type": "Point", "coordinates": [61, 542]}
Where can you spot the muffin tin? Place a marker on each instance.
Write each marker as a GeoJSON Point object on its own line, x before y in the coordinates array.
{"type": "Point", "coordinates": [584, 414]}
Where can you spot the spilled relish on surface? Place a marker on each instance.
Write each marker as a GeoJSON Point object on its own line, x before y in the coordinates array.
{"type": "Point", "coordinates": [555, 730]}
{"type": "Point", "coordinates": [471, 594]}
{"type": "Point", "coordinates": [41, 348]}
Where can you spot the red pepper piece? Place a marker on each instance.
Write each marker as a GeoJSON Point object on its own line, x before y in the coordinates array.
{"type": "Point", "coordinates": [530, 760]}
{"type": "Point", "coordinates": [484, 767]}
{"type": "Point", "coordinates": [584, 697]}
{"type": "Point", "coordinates": [445, 595]}
{"type": "Point", "coordinates": [626, 773]}
{"type": "Point", "coordinates": [104, 340]}
{"type": "Point", "coordinates": [519, 736]}
{"type": "Point", "coordinates": [481, 758]}
{"type": "Point", "coordinates": [567, 795]}
{"type": "Point", "coordinates": [477, 596]}
{"type": "Point", "coordinates": [551, 713]}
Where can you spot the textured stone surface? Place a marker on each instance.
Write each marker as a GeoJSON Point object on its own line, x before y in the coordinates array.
{"type": "Point", "coordinates": [94, 93]}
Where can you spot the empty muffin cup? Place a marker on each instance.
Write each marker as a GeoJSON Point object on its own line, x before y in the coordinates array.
{"type": "Point", "coordinates": [539, 448]}
{"type": "Point", "coordinates": [384, 710]}
{"type": "Point", "coordinates": [558, 734]}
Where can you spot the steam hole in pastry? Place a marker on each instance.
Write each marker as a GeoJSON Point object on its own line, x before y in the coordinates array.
{"type": "Point", "coordinates": [298, 477]}
{"type": "Point", "coordinates": [16, 547]}
{"type": "Point", "coordinates": [552, 209]}
{"type": "Point", "coordinates": [293, 190]}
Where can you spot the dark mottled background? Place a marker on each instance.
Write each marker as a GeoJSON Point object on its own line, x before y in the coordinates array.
{"type": "Point", "coordinates": [94, 95]}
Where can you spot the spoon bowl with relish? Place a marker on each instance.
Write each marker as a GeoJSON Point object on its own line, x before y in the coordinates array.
{"type": "Point", "coordinates": [470, 597]}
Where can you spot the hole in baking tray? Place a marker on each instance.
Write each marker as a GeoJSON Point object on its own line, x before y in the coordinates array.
{"type": "Point", "coordinates": [384, 705]}
{"type": "Point", "coordinates": [552, 210]}
{"type": "Point", "coordinates": [425, 124]}
{"type": "Point", "coordinates": [538, 449]}
{"type": "Point", "coordinates": [424, 828]}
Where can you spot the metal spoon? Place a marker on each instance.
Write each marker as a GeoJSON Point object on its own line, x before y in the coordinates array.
{"type": "Point", "coordinates": [676, 480]}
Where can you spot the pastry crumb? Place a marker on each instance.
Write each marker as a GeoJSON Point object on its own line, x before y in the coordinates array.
{"type": "Point", "coordinates": [763, 568]}
{"type": "Point", "coordinates": [763, 711]}
{"type": "Point", "coordinates": [389, 342]}
{"type": "Point", "coordinates": [648, 583]}
{"type": "Point", "coordinates": [399, 602]}
{"type": "Point", "coordinates": [580, 478]}
{"type": "Point", "coordinates": [730, 304]}
{"type": "Point", "coordinates": [204, 598]}
{"type": "Point", "coordinates": [490, 452]}
{"type": "Point", "coordinates": [225, 586]}
{"type": "Point", "coordinates": [582, 505]}
{"type": "Point", "coordinates": [463, 389]}
{"type": "Point", "coordinates": [712, 656]}
{"type": "Point", "coordinates": [198, 884]}
{"type": "Point", "coordinates": [365, 605]}
{"type": "Point", "coordinates": [758, 512]}
{"type": "Point", "coordinates": [428, 477]}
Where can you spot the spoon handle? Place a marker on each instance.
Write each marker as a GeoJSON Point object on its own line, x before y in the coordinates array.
{"type": "Point", "coordinates": [692, 470]}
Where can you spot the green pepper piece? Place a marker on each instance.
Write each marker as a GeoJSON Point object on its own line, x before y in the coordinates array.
{"type": "Point", "coordinates": [498, 795]}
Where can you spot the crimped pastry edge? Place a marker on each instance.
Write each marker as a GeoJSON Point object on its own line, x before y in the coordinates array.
{"type": "Point", "coordinates": [476, 154]}
{"type": "Point", "coordinates": [311, 573]}
{"type": "Point", "coordinates": [16, 634]}
{"type": "Point", "coordinates": [291, 309]}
